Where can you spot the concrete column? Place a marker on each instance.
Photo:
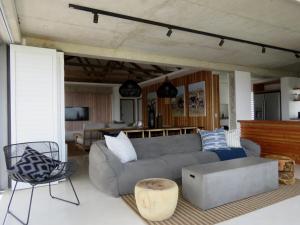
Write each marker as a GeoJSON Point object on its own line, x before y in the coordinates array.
{"type": "Point", "coordinates": [242, 95]}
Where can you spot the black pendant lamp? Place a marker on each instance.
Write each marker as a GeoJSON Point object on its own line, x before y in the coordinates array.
{"type": "Point", "coordinates": [130, 88]}
{"type": "Point", "coordinates": [167, 90]}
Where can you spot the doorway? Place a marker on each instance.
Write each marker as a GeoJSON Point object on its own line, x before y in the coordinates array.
{"type": "Point", "coordinates": [127, 109]}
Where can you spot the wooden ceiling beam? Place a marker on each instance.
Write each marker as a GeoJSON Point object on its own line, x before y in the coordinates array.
{"type": "Point", "coordinates": [121, 66]}
{"type": "Point", "coordinates": [141, 69]}
{"type": "Point", "coordinates": [159, 69]}
{"type": "Point", "coordinates": [90, 65]}
{"type": "Point", "coordinates": [101, 75]}
{"type": "Point", "coordinates": [110, 79]}
{"type": "Point", "coordinates": [67, 58]}
{"type": "Point", "coordinates": [83, 66]}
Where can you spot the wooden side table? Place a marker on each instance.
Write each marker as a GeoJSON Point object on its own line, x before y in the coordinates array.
{"type": "Point", "coordinates": [156, 198]}
{"type": "Point", "coordinates": [286, 168]}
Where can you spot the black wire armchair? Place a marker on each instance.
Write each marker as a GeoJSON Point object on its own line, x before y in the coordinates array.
{"type": "Point", "coordinates": [49, 151]}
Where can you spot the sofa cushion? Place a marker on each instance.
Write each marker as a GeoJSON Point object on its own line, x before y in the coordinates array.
{"type": "Point", "coordinates": [155, 147]}
{"type": "Point", "coordinates": [213, 140]}
{"type": "Point", "coordinates": [205, 157]}
{"type": "Point", "coordinates": [121, 146]}
{"type": "Point", "coordinates": [141, 169]}
{"type": "Point", "coordinates": [177, 161]}
{"type": "Point", "coordinates": [233, 138]}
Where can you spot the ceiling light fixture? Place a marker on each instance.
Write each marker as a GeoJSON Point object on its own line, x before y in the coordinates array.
{"type": "Point", "coordinates": [167, 90]}
{"type": "Point", "coordinates": [130, 88]}
{"type": "Point", "coordinates": [172, 27]}
{"type": "Point", "coordinates": [221, 42]}
{"type": "Point", "coordinates": [96, 17]}
{"type": "Point", "coordinates": [169, 33]}
{"type": "Point", "coordinates": [263, 50]}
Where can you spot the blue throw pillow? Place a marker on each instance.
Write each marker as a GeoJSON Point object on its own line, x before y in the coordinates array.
{"type": "Point", "coordinates": [213, 140]}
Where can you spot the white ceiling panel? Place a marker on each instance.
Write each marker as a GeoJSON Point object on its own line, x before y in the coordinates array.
{"type": "Point", "coordinates": [275, 22]}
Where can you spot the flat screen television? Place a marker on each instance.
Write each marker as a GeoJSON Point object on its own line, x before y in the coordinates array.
{"type": "Point", "coordinates": [76, 113]}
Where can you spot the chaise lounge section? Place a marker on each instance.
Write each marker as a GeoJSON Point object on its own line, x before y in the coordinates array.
{"type": "Point", "coordinates": [162, 157]}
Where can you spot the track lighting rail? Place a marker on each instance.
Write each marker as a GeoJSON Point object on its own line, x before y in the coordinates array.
{"type": "Point", "coordinates": [171, 28]}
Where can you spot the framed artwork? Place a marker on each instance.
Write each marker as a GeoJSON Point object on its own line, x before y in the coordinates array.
{"type": "Point", "coordinates": [178, 103]}
{"type": "Point", "coordinates": [197, 99]}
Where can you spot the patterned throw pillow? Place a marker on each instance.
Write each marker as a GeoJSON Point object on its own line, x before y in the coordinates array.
{"type": "Point", "coordinates": [213, 140]}
{"type": "Point", "coordinates": [34, 165]}
{"type": "Point", "coordinates": [233, 138]}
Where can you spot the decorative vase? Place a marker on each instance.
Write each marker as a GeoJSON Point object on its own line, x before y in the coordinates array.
{"type": "Point", "coordinates": [151, 117]}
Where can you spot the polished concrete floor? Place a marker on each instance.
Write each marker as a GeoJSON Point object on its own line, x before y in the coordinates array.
{"type": "Point", "coordinates": [99, 209]}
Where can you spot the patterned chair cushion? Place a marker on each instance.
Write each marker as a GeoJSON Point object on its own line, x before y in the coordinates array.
{"type": "Point", "coordinates": [34, 165]}
{"type": "Point", "coordinates": [213, 140]}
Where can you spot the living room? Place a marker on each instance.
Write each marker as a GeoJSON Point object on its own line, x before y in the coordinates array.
{"type": "Point", "coordinates": [149, 112]}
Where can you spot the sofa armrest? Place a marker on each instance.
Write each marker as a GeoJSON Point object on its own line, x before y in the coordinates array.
{"type": "Point", "coordinates": [104, 168]}
{"type": "Point", "coordinates": [252, 148]}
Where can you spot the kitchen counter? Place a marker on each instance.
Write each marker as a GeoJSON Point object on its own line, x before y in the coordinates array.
{"type": "Point", "coordinates": [274, 137]}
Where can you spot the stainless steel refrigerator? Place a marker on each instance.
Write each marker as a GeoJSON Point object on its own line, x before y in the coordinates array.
{"type": "Point", "coordinates": [267, 106]}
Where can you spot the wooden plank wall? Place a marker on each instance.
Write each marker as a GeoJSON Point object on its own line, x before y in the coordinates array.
{"type": "Point", "coordinates": [274, 137]}
{"type": "Point", "coordinates": [97, 99]}
{"type": "Point", "coordinates": [210, 121]}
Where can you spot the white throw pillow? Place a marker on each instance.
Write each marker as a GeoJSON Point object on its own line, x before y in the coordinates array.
{"type": "Point", "coordinates": [233, 138]}
{"type": "Point", "coordinates": [122, 147]}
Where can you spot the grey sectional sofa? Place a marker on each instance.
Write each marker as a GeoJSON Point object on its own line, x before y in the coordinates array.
{"type": "Point", "coordinates": [157, 157]}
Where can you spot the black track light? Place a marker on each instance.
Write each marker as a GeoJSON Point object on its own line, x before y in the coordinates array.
{"type": "Point", "coordinates": [263, 50]}
{"type": "Point", "coordinates": [297, 55]}
{"type": "Point", "coordinates": [221, 42]}
{"type": "Point", "coordinates": [169, 32]}
{"type": "Point", "coordinates": [96, 17]}
{"type": "Point", "coordinates": [95, 11]}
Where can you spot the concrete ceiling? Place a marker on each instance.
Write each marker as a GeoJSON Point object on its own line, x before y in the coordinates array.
{"type": "Point", "coordinates": [275, 22]}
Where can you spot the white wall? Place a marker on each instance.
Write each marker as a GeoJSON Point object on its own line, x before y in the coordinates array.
{"type": "Point", "coordinates": [3, 115]}
{"type": "Point", "coordinates": [116, 103]}
{"type": "Point", "coordinates": [289, 108]}
{"type": "Point", "coordinates": [243, 95]}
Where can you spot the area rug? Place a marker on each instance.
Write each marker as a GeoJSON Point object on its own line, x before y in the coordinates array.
{"type": "Point", "coordinates": [186, 214]}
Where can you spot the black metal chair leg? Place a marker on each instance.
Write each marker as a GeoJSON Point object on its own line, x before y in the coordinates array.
{"type": "Point", "coordinates": [12, 214]}
{"type": "Point", "coordinates": [54, 197]}
{"type": "Point", "coordinates": [11, 197]}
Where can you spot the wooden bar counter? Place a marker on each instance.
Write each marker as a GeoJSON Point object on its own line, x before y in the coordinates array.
{"type": "Point", "coordinates": [274, 137]}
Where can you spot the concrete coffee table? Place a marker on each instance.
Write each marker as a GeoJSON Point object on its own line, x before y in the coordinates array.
{"type": "Point", "coordinates": [210, 185]}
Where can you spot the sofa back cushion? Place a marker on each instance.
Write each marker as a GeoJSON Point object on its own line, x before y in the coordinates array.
{"type": "Point", "coordinates": [154, 147]}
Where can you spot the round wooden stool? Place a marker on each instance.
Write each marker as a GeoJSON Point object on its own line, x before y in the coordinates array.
{"type": "Point", "coordinates": [285, 167]}
{"type": "Point", "coordinates": [156, 198]}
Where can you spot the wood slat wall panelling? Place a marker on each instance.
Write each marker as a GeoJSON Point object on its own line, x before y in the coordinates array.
{"type": "Point", "coordinates": [99, 103]}
{"type": "Point", "coordinates": [216, 101]}
{"type": "Point", "coordinates": [274, 137]}
{"type": "Point", "coordinates": [212, 103]}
